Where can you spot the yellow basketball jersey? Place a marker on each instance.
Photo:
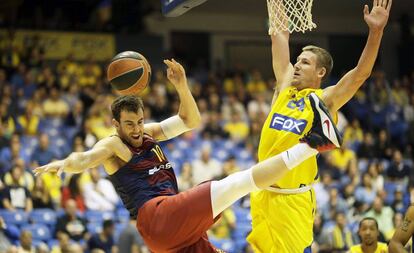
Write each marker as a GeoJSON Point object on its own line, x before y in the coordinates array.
{"type": "Point", "coordinates": [290, 118]}
{"type": "Point", "coordinates": [381, 248]}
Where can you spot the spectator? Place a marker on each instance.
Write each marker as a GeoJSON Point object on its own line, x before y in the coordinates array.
{"type": "Point", "coordinates": [105, 239]}
{"type": "Point", "coordinates": [353, 133]}
{"type": "Point", "coordinates": [185, 179]}
{"type": "Point", "coordinates": [237, 128]}
{"type": "Point", "coordinates": [365, 193]}
{"type": "Point", "coordinates": [233, 106]}
{"type": "Point", "coordinates": [342, 158]}
{"type": "Point", "coordinates": [28, 122]}
{"type": "Point", "coordinates": [26, 180]}
{"type": "Point", "coordinates": [335, 205]}
{"type": "Point", "coordinates": [383, 215]}
{"type": "Point", "coordinates": [130, 240]}
{"type": "Point", "coordinates": [40, 196]}
{"type": "Point", "coordinates": [26, 245]}
{"type": "Point", "coordinates": [368, 232]}
{"type": "Point", "coordinates": [9, 154]}
{"type": "Point", "coordinates": [339, 238]}
{"type": "Point", "coordinates": [43, 153]}
{"type": "Point", "coordinates": [398, 170]}
{"type": "Point", "coordinates": [256, 83]}
{"type": "Point", "coordinates": [55, 106]}
{"type": "Point", "coordinates": [224, 227]}
{"type": "Point", "coordinates": [99, 194]}
{"type": "Point", "coordinates": [64, 242]}
{"type": "Point", "coordinates": [74, 191]}
{"type": "Point", "coordinates": [75, 117]}
{"type": "Point", "coordinates": [16, 196]}
{"type": "Point", "coordinates": [213, 129]}
{"type": "Point", "coordinates": [374, 170]}
{"type": "Point", "coordinates": [258, 106]}
{"type": "Point", "coordinates": [367, 148]}
{"type": "Point", "coordinates": [72, 224]}
{"type": "Point", "coordinates": [383, 146]}
{"type": "Point", "coordinates": [206, 168]}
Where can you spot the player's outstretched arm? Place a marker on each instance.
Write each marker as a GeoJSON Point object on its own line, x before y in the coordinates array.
{"type": "Point", "coordinates": [402, 234]}
{"type": "Point", "coordinates": [336, 96]}
{"type": "Point", "coordinates": [77, 162]}
{"type": "Point", "coordinates": [188, 116]}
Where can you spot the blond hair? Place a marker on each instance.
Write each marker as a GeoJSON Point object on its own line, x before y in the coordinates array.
{"type": "Point", "coordinates": [324, 59]}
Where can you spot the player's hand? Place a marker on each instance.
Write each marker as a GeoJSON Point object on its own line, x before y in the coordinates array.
{"type": "Point", "coordinates": [176, 73]}
{"type": "Point", "coordinates": [378, 17]}
{"type": "Point", "coordinates": [55, 167]}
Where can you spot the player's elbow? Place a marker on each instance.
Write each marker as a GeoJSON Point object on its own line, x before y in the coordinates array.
{"type": "Point", "coordinates": [362, 74]}
{"type": "Point", "coordinates": [395, 247]}
{"type": "Point", "coordinates": [194, 121]}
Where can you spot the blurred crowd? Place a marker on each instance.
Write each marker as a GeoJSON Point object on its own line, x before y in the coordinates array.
{"type": "Point", "coordinates": [49, 109]}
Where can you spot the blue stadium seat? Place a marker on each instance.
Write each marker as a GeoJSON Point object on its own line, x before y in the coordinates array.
{"type": "Point", "coordinates": [17, 217]}
{"type": "Point", "coordinates": [94, 227]}
{"type": "Point", "coordinates": [43, 216]}
{"type": "Point", "coordinates": [39, 232]}
{"type": "Point", "coordinates": [225, 244]}
{"type": "Point", "coordinates": [52, 242]}
{"type": "Point", "coordinates": [242, 215]}
{"type": "Point", "coordinates": [241, 231]}
{"type": "Point", "coordinates": [98, 216]}
{"type": "Point", "coordinates": [122, 215]}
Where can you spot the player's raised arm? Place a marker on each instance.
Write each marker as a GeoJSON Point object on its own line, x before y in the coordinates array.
{"type": "Point", "coordinates": [336, 96]}
{"type": "Point", "coordinates": [77, 162]}
{"type": "Point", "coordinates": [188, 116]}
{"type": "Point", "coordinates": [282, 68]}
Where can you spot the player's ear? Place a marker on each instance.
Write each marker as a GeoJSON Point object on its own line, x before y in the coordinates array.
{"type": "Point", "coordinates": [321, 72]}
{"type": "Point", "coordinates": [115, 123]}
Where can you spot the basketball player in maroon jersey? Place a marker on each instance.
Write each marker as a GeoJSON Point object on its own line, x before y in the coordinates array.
{"type": "Point", "coordinates": [170, 221]}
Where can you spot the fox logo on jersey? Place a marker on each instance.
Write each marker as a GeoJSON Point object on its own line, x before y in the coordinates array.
{"type": "Point", "coordinates": [285, 123]}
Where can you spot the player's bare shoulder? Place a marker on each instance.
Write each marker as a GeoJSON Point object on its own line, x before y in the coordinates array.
{"type": "Point", "coordinates": [117, 146]}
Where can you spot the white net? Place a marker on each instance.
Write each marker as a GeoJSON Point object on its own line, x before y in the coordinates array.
{"type": "Point", "coordinates": [290, 15]}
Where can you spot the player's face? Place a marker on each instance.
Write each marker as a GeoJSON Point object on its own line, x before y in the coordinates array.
{"type": "Point", "coordinates": [368, 232]}
{"type": "Point", "coordinates": [306, 74]}
{"type": "Point", "coordinates": [131, 127]}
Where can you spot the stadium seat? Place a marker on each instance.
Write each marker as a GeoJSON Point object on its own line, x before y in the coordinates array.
{"type": "Point", "coordinates": [17, 217]}
{"type": "Point", "coordinates": [98, 216]}
{"type": "Point", "coordinates": [122, 215]}
{"type": "Point", "coordinates": [225, 244]}
{"type": "Point", "coordinates": [242, 215]}
{"type": "Point", "coordinates": [43, 216]}
{"type": "Point", "coordinates": [39, 232]}
{"type": "Point", "coordinates": [94, 227]}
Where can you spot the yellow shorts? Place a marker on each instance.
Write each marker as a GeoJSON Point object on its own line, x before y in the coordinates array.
{"type": "Point", "coordinates": [282, 223]}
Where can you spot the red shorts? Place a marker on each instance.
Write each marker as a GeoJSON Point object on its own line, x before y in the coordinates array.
{"type": "Point", "coordinates": [178, 223]}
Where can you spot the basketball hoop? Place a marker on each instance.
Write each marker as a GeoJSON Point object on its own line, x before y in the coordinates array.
{"type": "Point", "coordinates": [290, 15]}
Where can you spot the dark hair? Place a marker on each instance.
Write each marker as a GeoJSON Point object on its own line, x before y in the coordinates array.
{"type": "Point", "coordinates": [108, 223]}
{"type": "Point", "coordinates": [129, 103]}
{"type": "Point", "coordinates": [369, 218]}
{"type": "Point", "coordinates": [73, 185]}
{"type": "Point", "coordinates": [324, 59]}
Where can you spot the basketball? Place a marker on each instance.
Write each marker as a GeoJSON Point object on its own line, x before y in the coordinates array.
{"type": "Point", "coordinates": [129, 73]}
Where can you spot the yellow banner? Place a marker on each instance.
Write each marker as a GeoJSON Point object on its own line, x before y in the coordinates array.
{"type": "Point", "coordinates": [58, 45]}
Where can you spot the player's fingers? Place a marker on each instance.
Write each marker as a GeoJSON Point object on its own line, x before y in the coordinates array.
{"type": "Point", "coordinates": [168, 63]}
{"type": "Point", "coordinates": [376, 3]}
{"type": "Point", "coordinates": [389, 5]}
{"type": "Point", "coordinates": [60, 171]}
{"type": "Point", "coordinates": [366, 10]}
{"type": "Point", "coordinates": [384, 3]}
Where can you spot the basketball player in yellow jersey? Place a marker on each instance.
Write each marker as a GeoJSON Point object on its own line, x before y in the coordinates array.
{"type": "Point", "coordinates": [283, 214]}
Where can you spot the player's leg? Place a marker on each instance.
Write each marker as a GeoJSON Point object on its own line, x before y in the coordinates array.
{"type": "Point", "coordinates": [323, 136]}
